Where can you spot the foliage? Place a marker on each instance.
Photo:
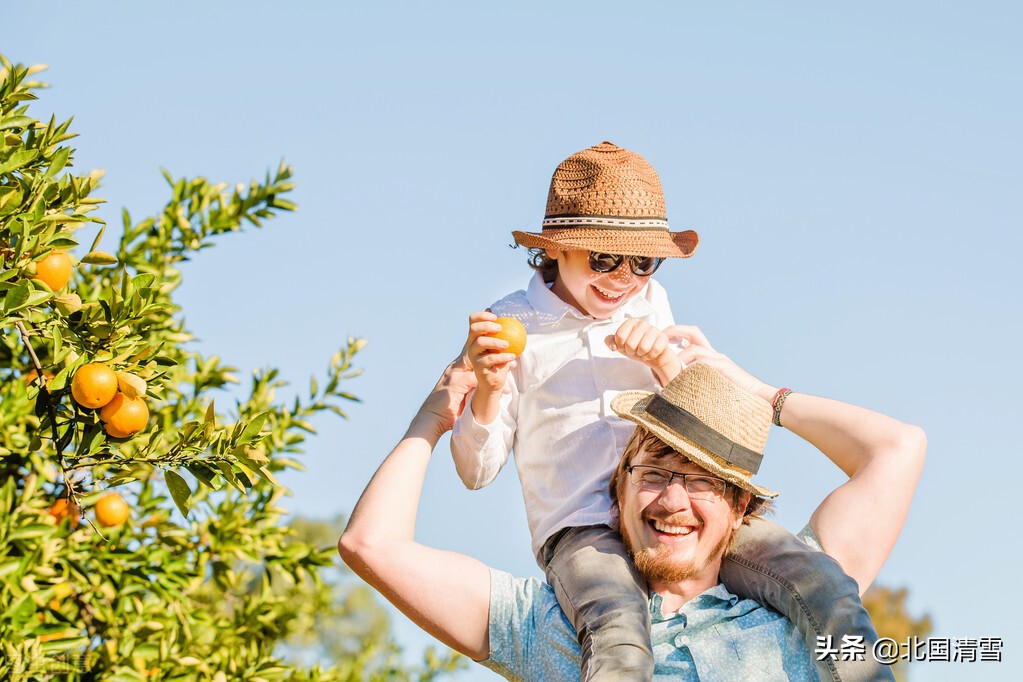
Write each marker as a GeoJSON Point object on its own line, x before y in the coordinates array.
{"type": "Point", "coordinates": [887, 608]}
{"type": "Point", "coordinates": [342, 621]}
{"type": "Point", "coordinates": [209, 593]}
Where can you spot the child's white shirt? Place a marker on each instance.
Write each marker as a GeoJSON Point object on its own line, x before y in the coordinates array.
{"type": "Point", "coordinates": [557, 414]}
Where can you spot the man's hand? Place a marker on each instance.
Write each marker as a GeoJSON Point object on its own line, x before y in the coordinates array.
{"type": "Point", "coordinates": [445, 402]}
{"type": "Point", "coordinates": [698, 349]}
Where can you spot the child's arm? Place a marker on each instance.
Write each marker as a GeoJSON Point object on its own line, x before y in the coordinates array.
{"type": "Point", "coordinates": [489, 363]}
{"type": "Point", "coordinates": [641, 341]}
{"type": "Point", "coordinates": [481, 447]}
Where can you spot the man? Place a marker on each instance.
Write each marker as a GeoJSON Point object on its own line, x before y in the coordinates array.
{"type": "Point", "coordinates": [679, 496]}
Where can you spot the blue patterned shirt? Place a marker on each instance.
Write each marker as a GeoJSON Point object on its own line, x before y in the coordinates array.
{"type": "Point", "coordinates": [714, 636]}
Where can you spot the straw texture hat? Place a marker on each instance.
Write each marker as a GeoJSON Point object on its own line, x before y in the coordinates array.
{"type": "Point", "coordinates": [608, 199]}
{"type": "Point", "coordinates": [707, 418]}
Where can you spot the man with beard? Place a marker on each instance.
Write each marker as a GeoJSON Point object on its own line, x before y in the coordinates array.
{"type": "Point", "coordinates": [681, 490]}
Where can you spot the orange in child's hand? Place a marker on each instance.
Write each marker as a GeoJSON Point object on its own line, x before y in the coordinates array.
{"type": "Point", "coordinates": [513, 332]}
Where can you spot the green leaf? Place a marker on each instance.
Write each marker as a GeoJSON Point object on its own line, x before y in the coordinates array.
{"type": "Point", "coordinates": [17, 297]}
{"type": "Point", "coordinates": [265, 473]}
{"type": "Point", "coordinates": [179, 490]}
{"type": "Point", "coordinates": [99, 258]}
{"type": "Point", "coordinates": [95, 242]}
{"type": "Point", "coordinates": [252, 429]}
{"type": "Point", "coordinates": [16, 122]}
{"type": "Point", "coordinates": [58, 339]}
{"type": "Point", "coordinates": [33, 530]}
{"type": "Point", "coordinates": [58, 161]}
{"type": "Point", "coordinates": [18, 159]}
{"type": "Point", "coordinates": [230, 476]}
{"type": "Point", "coordinates": [8, 567]}
{"type": "Point", "coordinates": [205, 475]}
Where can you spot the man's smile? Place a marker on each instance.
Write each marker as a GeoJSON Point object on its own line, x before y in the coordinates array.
{"type": "Point", "coordinates": [671, 529]}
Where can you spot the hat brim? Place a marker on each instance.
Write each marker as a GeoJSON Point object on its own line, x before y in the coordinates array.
{"type": "Point", "coordinates": [653, 243]}
{"type": "Point", "coordinates": [632, 405]}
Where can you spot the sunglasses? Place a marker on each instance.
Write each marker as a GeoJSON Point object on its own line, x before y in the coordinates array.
{"type": "Point", "coordinates": [641, 266]}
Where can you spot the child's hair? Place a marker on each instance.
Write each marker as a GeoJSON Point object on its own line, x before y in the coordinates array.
{"type": "Point", "coordinates": [542, 263]}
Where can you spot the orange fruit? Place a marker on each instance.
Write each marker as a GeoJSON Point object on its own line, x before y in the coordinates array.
{"type": "Point", "coordinates": [111, 510]}
{"type": "Point", "coordinates": [32, 374]}
{"type": "Point", "coordinates": [513, 332]}
{"type": "Point", "coordinates": [94, 385]}
{"type": "Point", "coordinates": [64, 509]}
{"type": "Point", "coordinates": [123, 417]}
{"type": "Point", "coordinates": [54, 269]}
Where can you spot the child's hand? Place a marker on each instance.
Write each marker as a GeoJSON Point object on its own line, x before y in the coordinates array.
{"type": "Point", "coordinates": [489, 363]}
{"type": "Point", "coordinates": [698, 349]}
{"type": "Point", "coordinates": [640, 341]}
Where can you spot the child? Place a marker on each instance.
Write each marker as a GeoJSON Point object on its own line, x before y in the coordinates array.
{"type": "Point", "coordinates": [598, 325]}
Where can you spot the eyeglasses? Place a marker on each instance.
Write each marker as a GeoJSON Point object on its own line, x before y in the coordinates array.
{"type": "Point", "coordinates": [641, 266]}
{"type": "Point", "coordinates": [656, 480]}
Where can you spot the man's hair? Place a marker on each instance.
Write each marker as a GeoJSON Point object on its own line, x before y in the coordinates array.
{"type": "Point", "coordinates": [542, 263]}
{"type": "Point", "coordinates": [643, 440]}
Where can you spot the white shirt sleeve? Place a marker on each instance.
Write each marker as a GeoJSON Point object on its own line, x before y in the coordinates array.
{"type": "Point", "coordinates": [481, 450]}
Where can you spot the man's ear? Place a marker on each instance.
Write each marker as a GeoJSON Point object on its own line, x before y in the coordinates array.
{"type": "Point", "coordinates": [740, 509]}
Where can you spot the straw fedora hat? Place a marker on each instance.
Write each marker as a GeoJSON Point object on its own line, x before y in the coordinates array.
{"type": "Point", "coordinates": [608, 199]}
{"type": "Point", "coordinates": [707, 418]}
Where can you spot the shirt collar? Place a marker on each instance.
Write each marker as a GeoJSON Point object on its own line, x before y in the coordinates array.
{"type": "Point", "coordinates": [550, 309]}
{"type": "Point", "coordinates": [715, 597]}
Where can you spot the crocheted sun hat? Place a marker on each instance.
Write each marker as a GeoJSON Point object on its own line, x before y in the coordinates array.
{"type": "Point", "coordinates": [707, 418]}
{"type": "Point", "coordinates": [608, 199]}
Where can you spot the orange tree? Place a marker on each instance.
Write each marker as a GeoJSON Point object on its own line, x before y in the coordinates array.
{"type": "Point", "coordinates": [202, 580]}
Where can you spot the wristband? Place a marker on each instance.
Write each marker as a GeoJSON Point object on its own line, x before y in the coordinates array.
{"type": "Point", "coordinates": [779, 400]}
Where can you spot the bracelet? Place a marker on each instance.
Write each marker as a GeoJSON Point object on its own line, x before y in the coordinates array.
{"type": "Point", "coordinates": [779, 400]}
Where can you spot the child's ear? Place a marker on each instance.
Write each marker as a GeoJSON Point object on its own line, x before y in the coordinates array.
{"type": "Point", "coordinates": [552, 254]}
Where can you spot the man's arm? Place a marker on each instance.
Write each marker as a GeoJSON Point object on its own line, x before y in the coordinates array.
{"type": "Point", "coordinates": [445, 593]}
{"type": "Point", "coordinates": [858, 522]}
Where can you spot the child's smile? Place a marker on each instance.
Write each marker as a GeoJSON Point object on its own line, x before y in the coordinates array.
{"type": "Point", "coordinates": [597, 294]}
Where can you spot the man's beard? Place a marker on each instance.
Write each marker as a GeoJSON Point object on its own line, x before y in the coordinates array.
{"type": "Point", "coordinates": [657, 564]}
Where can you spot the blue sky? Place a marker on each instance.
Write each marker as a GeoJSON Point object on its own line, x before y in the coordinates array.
{"type": "Point", "coordinates": [854, 174]}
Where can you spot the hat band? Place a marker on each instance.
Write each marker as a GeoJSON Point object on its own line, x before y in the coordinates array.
{"type": "Point", "coordinates": [689, 426]}
{"type": "Point", "coordinates": [607, 222]}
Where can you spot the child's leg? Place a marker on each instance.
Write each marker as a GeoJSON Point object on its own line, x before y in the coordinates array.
{"type": "Point", "coordinates": [771, 565]}
{"type": "Point", "coordinates": [605, 599]}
